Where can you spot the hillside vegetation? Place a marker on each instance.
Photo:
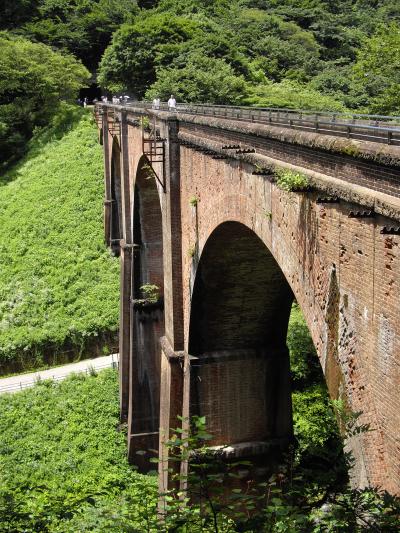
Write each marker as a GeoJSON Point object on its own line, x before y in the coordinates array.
{"type": "Point", "coordinates": [59, 285]}
{"type": "Point", "coordinates": [64, 442]}
{"type": "Point", "coordinates": [321, 54]}
{"type": "Point", "coordinates": [63, 465]}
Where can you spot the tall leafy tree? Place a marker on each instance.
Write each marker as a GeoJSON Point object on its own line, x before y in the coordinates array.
{"type": "Point", "coordinates": [33, 81]}
{"type": "Point", "coordinates": [13, 13]}
{"type": "Point", "coordinates": [378, 68]}
{"type": "Point", "coordinates": [130, 61]}
{"type": "Point", "coordinates": [202, 79]}
{"type": "Point", "coordinates": [82, 27]}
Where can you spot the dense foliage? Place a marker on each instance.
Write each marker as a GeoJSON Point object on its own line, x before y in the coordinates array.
{"type": "Point", "coordinates": [62, 455]}
{"type": "Point", "coordinates": [58, 282]}
{"type": "Point", "coordinates": [305, 54]}
{"type": "Point", "coordinates": [82, 27]}
{"type": "Point", "coordinates": [292, 53]}
{"type": "Point", "coordinates": [33, 81]}
{"type": "Point", "coordinates": [319, 54]}
{"type": "Point", "coordinates": [63, 465]}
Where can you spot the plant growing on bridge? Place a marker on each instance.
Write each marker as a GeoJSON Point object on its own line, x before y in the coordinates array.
{"type": "Point", "coordinates": [150, 171]}
{"type": "Point", "coordinates": [192, 250]}
{"type": "Point", "coordinates": [291, 181]}
{"type": "Point", "coordinates": [193, 201]}
{"type": "Point", "coordinates": [150, 292]}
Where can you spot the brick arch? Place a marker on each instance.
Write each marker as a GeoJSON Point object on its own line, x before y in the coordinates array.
{"type": "Point", "coordinates": [240, 297]}
{"type": "Point", "coordinates": [314, 283]}
{"type": "Point", "coordinates": [116, 206]}
{"type": "Point", "coordinates": [147, 227]}
{"type": "Point", "coordinates": [351, 310]}
{"type": "Point", "coordinates": [230, 208]}
{"type": "Point", "coordinates": [147, 321]}
{"type": "Point", "coordinates": [240, 310]}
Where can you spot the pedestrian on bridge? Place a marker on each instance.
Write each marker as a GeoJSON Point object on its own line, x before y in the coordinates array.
{"type": "Point", "coordinates": [172, 103]}
{"type": "Point", "coordinates": [156, 103]}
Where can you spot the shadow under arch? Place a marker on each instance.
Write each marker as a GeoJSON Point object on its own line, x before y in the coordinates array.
{"type": "Point", "coordinates": [116, 206]}
{"type": "Point", "coordinates": [239, 364]}
{"type": "Point", "coordinates": [147, 324]}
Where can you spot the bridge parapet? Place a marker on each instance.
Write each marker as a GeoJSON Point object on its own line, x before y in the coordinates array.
{"type": "Point", "coordinates": [373, 128]}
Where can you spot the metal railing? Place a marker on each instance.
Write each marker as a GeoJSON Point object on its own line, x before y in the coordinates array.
{"type": "Point", "coordinates": [373, 128]}
{"type": "Point", "coordinates": [18, 386]}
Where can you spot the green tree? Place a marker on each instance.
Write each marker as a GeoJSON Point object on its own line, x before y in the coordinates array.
{"type": "Point", "coordinates": [378, 68]}
{"type": "Point", "coordinates": [82, 27]}
{"type": "Point", "coordinates": [291, 94]}
{"type": "Point", "coordinates": [281, 48]}
{"type": "Point", "coordinates": [13, 13]}
{"type": "Point", "coordinates": [337, 81]}
{"type": "Point", "coordinates": [33, 81]}
{"type": "Point", "coordinates": [202, 79]}
{"type": "Point", "coordinates": [130, 62]}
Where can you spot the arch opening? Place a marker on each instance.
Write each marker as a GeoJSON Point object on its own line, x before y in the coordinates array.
{"type": "Point", "coordinates": [240, 370]}
{"type": "Point", "coordinates": [148, 314]}
{"type": "Point", "coordinates": [116, 214]}
{"type": "Point", "coordinates": [241, 378]}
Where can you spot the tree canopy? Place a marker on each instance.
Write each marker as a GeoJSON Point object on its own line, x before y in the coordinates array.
{"type": "Point", "coordinates": [322, 54]}
{"type": "Point", "coordinates": [278, 51]}
{"type": "Point", "coordinates": [34, 79]}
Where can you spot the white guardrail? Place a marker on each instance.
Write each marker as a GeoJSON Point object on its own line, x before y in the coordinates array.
{"type": "Point", "coordinates": [37, 378]}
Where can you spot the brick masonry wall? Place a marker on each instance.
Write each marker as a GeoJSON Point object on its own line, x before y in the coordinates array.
{"type": "Point", "coordinates": [345, 167]}
{"type": "Point", "coordinates": [309, 241]}
{"type": "Point", "coordinates": [343, 272]}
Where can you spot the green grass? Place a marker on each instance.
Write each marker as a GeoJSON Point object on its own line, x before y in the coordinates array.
{"type": "Point", "coordinates": [63, 464]}
{"type": "Point", "coordinates": [59, 285]}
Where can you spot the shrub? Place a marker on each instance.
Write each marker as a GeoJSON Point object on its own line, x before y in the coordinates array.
{"type": "Point", "coordinates": [291, 181]}
{"type": "Point", "coordinates": [150, 292]}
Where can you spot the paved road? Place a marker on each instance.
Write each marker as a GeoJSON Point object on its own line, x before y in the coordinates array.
{"type": "Point", "coordinates": [58, 373]}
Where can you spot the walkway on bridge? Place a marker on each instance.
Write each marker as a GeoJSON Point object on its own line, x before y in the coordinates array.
{"type": "Point", "coordinates": [362, 127]}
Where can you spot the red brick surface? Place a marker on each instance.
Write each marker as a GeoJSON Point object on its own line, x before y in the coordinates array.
{"type": "Point", "coordinates": [343, 272]}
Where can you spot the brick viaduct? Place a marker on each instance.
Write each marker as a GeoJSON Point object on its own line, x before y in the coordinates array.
{"type": "Point", "coordinates": [192, 206]}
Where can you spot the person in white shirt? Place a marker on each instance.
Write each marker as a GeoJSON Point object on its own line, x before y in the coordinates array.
{"type": "Point", "coordinates": [172, 103]}
{"type": "Point", "coordinates": [156, 103]}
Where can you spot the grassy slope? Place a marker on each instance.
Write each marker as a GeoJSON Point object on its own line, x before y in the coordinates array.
{"type": "Point", "coordinates": [60, 440]}
{"type": "Point", "coordinates": [63, 465]}
{"type": "Point", "coordinates": [58, 282]}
